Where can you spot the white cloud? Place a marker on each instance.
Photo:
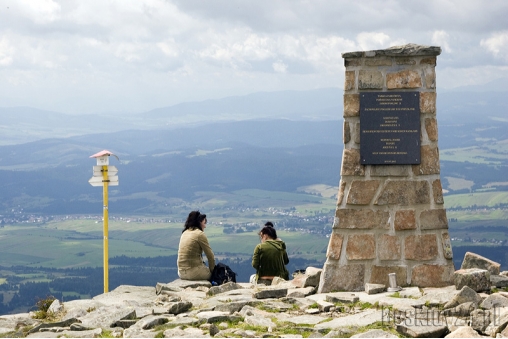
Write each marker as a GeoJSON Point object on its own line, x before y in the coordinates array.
{"type": "Point", "coordinates": [40, 11]}
{"type": "Point", "coordinates": [211, 49]}
{"type": "Point", "coordinates": [372, 40]}
{"type": "Point", "coordinates": [6, 52]}
{"type": "Point", "coordinates": [280, 66]}
{"type": "Point", "coordinates": [497, 44]}
{"type": "Point", "coordinates": [440, 38]}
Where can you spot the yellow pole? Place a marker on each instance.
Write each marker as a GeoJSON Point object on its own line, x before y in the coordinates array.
{"type": "Point", "coordinates": [105, 181]}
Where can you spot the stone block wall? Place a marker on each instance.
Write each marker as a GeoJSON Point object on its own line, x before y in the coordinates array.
{"type": "Point", "coordinates": [389, 218]}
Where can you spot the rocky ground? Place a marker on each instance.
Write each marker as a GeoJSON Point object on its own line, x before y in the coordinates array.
{"type": "Point", "coordinates": [288, 309]}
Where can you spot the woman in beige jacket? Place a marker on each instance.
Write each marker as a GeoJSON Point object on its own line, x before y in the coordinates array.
{"type": "Point", "coordinates": [193, 243]}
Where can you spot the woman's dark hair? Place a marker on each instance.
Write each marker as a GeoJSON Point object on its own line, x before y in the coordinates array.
{"type": "Point", "coordinates": [269, 223]}
{"type": "Point", "coordinates": [194, 221]}
{"type": "Point", "coordinates": [201, 218]}
{"type": "Point", "coordinates": [269, 231]}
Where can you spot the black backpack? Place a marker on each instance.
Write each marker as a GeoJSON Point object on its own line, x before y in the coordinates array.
{"type": "Point", "coordinates": [222, 274]}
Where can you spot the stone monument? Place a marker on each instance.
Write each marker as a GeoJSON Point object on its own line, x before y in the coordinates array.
{"type": "Point", "coordinates": [390, 216]}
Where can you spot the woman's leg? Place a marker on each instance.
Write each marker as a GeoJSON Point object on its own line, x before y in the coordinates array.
{"type": "Point", "coordinates": [196, 273]}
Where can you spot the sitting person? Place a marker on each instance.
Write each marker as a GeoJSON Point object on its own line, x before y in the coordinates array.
{"type": "Point", "coordinates": [193, 243]}
{"type": "Point", "coordinates": [270, 257]}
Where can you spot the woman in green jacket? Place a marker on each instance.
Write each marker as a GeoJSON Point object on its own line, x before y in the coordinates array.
{"type": "Point", "coordinates": [270, 257]}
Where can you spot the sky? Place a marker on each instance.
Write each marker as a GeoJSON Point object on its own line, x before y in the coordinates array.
{"type": "Point", "coordinates": [131, 56]}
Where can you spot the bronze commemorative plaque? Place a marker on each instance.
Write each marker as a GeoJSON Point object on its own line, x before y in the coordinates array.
{"type": "Point", "coordinates": [390, 128]}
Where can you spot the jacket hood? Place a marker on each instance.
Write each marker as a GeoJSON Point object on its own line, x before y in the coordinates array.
{"type": "Point", "coordinates": [279, 244]}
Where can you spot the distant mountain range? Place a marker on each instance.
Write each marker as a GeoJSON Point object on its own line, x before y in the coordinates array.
{"type": "Point", "coordinates": [24, 124]}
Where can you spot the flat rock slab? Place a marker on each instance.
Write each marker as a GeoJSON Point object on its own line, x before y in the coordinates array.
{"type": "Point", "coordinates": [364, 318]}
{"type": "Point", "coordinates": [186, 333]}
{"type": "Point", "coordinates": [306, 319]}
{"type": "Point", "coordinates": [216, 316]}
{"type": "Point", "coordinates": [259, 321]}
{"type": "Point", "coordinates": [342, 297]}
{"type": "Point", "coordinates": [230, 286]}
{"type": "Point", "coordinates": [374, 334]}
{"type": "Point", "coordinates": [500, 281]}
{"type": "Point", "coordinates": [374, 288]}
{"type": "Point", "coordinates": [270, 293]}
{"type": "Point", "coordinates": [475, 278]}
{"type": "Point", "coordinates": [95, 333]}
{"type": "Point", "coordinates": [153, 320]}
{"type": "Point", "coordinates": [410, 292]}
{"type": "Point", "coordinates": [126, 295]}
{"type": "Point", "coordinates": [185, 321]}
{"type": "Point", "coordinates": [463, 332]}
{"type": "Point", "coordinates": [422, 331]}
{"type": "Point", "coordinates": [494, 300]}
{"type": "Point", "coordinates": [107, 316]}
{"type": "Point", "coordinates": [473, 260]}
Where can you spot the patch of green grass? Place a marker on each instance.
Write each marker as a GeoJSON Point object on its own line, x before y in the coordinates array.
{"type": "Point", "coordinates": [106, 334]}
{"type": "Point", "coordinates": [379, 325]}
{"type": "Point", "coordinates": [267, 309]}
{"type": "Point", "coordinates": [395, 295]}
{"type": "Point", "coordinates": [43, 307]}
{"type": "Point", "coordinates": [314, 305]}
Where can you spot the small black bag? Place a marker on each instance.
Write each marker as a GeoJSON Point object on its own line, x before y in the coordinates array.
{"type": "Point", "coordinates": [222, 274]}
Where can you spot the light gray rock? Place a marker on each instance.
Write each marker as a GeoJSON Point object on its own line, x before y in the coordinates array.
{"type": "Point", "coordinates": [300, 292]}
{"type": "Point", "coordinates": [473, 260]}
{"type": "Point", "coordinates": [279, 281]}
{"type": "Point", "coordinates": [65, 323]}
{"type": "Point", "coordinates": [273, 292]}
{"type": "Point", "coordinates": [462, 310]}
{"type": "Point", "coordinates": [94, 333]}
{"type": "Point", "coordinates": [126, 295]}
{"type": "Point", "coordinates": [324, 306]}
{"type": "Point", "coordinates": [213, 330]}
{"type": "Point", "coordinates": [341, 297]}
{"type": "Point", "coordinates": [186, 333]}
{"type": "Point", "coordinates": [374, 334]}
{"type": "Point", "coordinates": [500, 281]}
{"type": "Point", "coordinates": [183, 284]}
{"type": "Point", "coordinates": [124, 323]}
{"type": "Point", "coordinates": [259, 321]}
{"type": "Point", "coordinates": [480, 319]}
{"type": "Point", "coordinates": [436, 296]}
{"type": "Point", "coordinates": [364, 318]}
{"type": "Point", "coordinates": [494, 300]}
{"type": "Point", "coordinates": [216, 316]}
{"type": "Point", "coordinates": [374, 288]}
{"type": "Point", "coordinates": [107, 316]}
{"type": "Point", "coordinates": [313, 276]}
{"type": "Point", "coordinates": [312, 311]}
{"type": "Point", "coordinates": [137, 332]}
{"type": "Point", "coordinates": [499, 321]}
{"type": "Point", "coordinates": [422, 331]}
{"type": "Point", "coordinates": [306, 319]}
{"type": "Point", "coordinates": [152, 321]}
{"type": "Point", "coordinates": [55, 307]}
{"type": "Point", "coordinates": [463, 332]}
{"type": "Point", "coordinates": [230, 307]}
{"type": "Point", "coordinates": [224, 288]}
{"type": "Point", "coordinates": [179, 307]}
{"type": "Point", "coordinates": [475, 278]}
{"type": "Point", "coordinates": [185, 321]}
{"type": "Point", "coordinates": [454, 323]}
{"type": "Point", "coordinates": [466, 294]}
{"type": "Point", "coordinates": [410, 292]}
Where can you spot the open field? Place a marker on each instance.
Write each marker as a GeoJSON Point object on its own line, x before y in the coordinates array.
{"type": "Point", "coordinates": [489, 199]}
{"type": "Point", "coordinates": [493, 153]}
